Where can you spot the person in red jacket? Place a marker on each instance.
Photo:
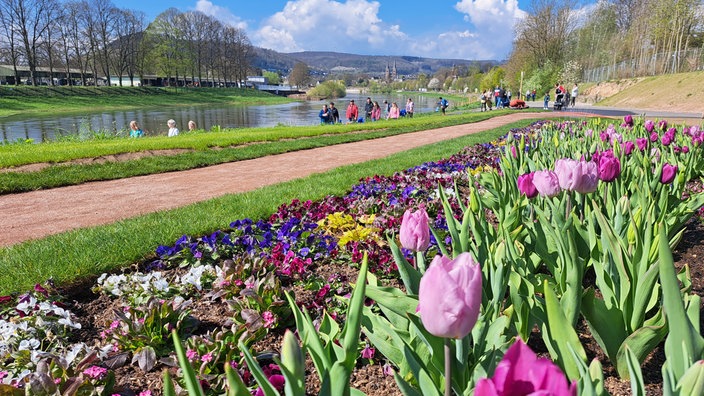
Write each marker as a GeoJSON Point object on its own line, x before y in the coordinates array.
{"type": "Point", "coordinates": [352, 112]}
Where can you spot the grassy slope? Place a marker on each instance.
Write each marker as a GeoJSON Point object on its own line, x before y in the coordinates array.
{"type": "Point", "coordinates": [671, 92]}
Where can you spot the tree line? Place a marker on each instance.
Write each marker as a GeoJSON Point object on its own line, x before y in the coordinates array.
{"type": "Point", "coordinates": [560, 40]}
{"type": "Point", "coordinates": [96, 37]}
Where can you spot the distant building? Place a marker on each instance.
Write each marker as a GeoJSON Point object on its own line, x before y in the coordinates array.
{"type": "Point", "coordinates": [44, 75]}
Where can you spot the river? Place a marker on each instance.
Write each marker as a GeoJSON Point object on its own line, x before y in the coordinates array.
{"type": "Point", "coordinates": [153, 120]}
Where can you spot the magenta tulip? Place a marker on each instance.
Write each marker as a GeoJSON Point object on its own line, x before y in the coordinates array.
{"type": "Point", "coordinates": [450, 296]}
{"type": "Point", "coordinates": [649, 126]}
{"type": "Point", "coordinates": [415, 230]}
{"type": "Point", "coordinates": [628, 147]}
{"type": "Point", "coordinates": [642, 143]}
{"type": "Point", "coordinates": [628, 120]}
{"type": "Point", "coordinates": [522, 373]}
{"type": "Point", "coordinates": [662, 124]}
{"type": "Point", "coordinates": [685, 149]}
{"type": "Point", "coordinates": [668, 173]}
{"type": "Point", "coordinates": [547, 183]}
{"type": "Point", "coordinates": [526, 186]}
{"type": "Point", "coordinates": [609, 168]}
{"type": "Point", "coordinates": [654, 137]}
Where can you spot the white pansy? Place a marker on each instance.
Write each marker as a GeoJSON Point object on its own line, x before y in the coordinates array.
{"type": "Point", "coordinates": [30, 344]}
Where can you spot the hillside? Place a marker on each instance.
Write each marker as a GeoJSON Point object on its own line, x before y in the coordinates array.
{"type": "Point", "coordinates": [337, 62]}
{"type": "Point", "coordinates": [682, 92]}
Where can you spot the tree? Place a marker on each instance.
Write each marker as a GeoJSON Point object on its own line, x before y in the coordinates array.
{"type": "Point", "coordinates": [300, 75]}
{"type": "Point", "coordinates": [273, 77]}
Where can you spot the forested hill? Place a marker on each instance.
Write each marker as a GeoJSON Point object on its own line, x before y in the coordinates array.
{"type": "Point", "coordinates": [336, 62]}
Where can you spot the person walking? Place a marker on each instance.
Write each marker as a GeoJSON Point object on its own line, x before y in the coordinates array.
{"type": "Point", "coordinates": [395, 112]}
{"type": "Point", "coordinates": [368, 110]}
{"type": "Point", "coordinates": [324, 115]}
{"type": "Point", "coordinates": [352, 112]}
{"type": "Point", "coordinates": [546, 100]}
{"type": "Point", "coordinates": [573, 96]}
{"type": "Point", "coordinates": [410, 106]}
{"type": "Point", "coordinates": [334, 113]}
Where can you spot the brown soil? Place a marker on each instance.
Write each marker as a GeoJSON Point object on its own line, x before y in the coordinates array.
{"type": "Point", "coordinates": [38, 214]}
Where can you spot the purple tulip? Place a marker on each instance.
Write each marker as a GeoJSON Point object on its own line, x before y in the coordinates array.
{"type": "Point", "coordinates": [628, 147]}
{"type": "Point", "coordinates": [662, 124]}
{"type": "Point", "coordinates": [685, 149]}
{"type": "Point", "coordinates": [604, 137]}
{"type": "Point", "coordinates": [649, 126]}
{"type": "Point", "coordinates": [415, 231]}
{"type": "Point", "coordinates": [521, 372]}
{"type": "Point", "coordinates": [627, 121]}
{"type": "Point", "coordinates": [526, 186]}
{"type": "Point", "coordinates": [577, 176]}
{"type": "Point", "coordinates": [513, 151]}
{"type": "Point", "coordinates": [668, 173]}
{"type": "Point", "coordinates": [547, 183]}
{"type": "Point", "coordinates": [654, 137]}
{"type": "Point", "coordinates": [642, 143]}
{"type": "Point", "coordinates": [368, 352]}
{"type": "Point", "coordinates": [609, 168]}
{"type": "Point", "coordinates": [450, 295]}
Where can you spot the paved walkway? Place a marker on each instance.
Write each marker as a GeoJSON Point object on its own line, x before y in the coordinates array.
{"type": "Point", "coordinates": [42, 213]}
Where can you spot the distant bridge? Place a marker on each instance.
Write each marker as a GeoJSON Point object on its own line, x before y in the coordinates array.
{"type": "Point", "coordinates": [282, 90]}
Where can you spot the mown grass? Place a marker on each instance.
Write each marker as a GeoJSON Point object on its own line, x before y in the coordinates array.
{"type": "Point", "coordinates": [63, 100]}
{"type": "Point", "coordinates": [83, 254]}
{"type": "Point", "coordinates": [238, 145]}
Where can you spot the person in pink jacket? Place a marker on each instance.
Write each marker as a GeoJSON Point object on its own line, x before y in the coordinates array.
{"type": "Point", "coordinates": [352, 112]}
{"type": "Point", "coordinates": [376, 112]}
{"type": "Point", "coordinates": [394, 112]}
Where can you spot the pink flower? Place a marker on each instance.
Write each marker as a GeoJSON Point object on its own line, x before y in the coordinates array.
{"type": "Point", "coordinates": [450, 296]}
{"type": "Point", "coordinates": [547, 183]}
{"type": "Point", "coordinates": [145, 393]}
{"type": "Point", "coordinates": [525, 185]}
{"type": "Point", "coordinates": [191, 354]}
{"type": "Point", "coordinates": [576, 175]}
{"type": "Point", "coordinates": [628, 147]}
{"type": "Point", "coordinates": [609, 168]}
{"type": "Point", "coordinates": [649, 126]}
{"type": "Point", "coordinates": [415, 231]}
{"type": "Point", "coordinates": [522, 373]}
{"type": "Point", "coordinates": [628, 120]}
{"type": "Point", "coordinates": [668, 173]}
{"type": "Point", "coordinates": [269, 319]}
{"type": "Point", "coordinates": [368, 352]}
{"type": "Point", "coordinates": [654, 137]}
{"type": "Point", "coordinates": [207, 358]}
{"type": "Point", "coordinates": [95, 372]}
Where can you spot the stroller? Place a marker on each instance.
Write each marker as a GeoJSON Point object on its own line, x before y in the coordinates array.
{"type": "Point", "coordinates": [561, 101]}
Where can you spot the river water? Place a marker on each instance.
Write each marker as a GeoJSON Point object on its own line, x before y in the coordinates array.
{"type": "Point", "coordinates": [153, 120]}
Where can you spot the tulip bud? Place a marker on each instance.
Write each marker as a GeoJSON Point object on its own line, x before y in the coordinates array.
{"type": "Point", "coordinates": [415, 231]}
{"type": "Point", "coordinates": [668, 173]}
{"type": "Point", "coordinates": [450, 296]}
{"type": "Point", "coordinates": [473, 201]}
{"type": "Point", "coordinates": [522, 144]}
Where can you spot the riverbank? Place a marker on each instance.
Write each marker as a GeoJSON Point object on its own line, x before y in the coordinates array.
{"type": "Point", "coordinates": [16, 100]}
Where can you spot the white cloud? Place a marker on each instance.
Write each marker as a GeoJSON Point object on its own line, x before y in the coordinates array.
{"type": "Point", "coordinates": [222, 14]}
{"type": "Point", "coordinates": [325, 25]}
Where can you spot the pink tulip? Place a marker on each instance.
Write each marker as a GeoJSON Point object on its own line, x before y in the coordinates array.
{"type": "Point", "coordinates": [525, 185]}
{"type": "Point", "coordinates": [668, 173]}
{"type": "Point", "coordinates": [547, 183]}
{"type": "Point", "coordinates": [450, 296]}
{"type": "Point", "coordinates": [415, 231]}
{"type": "Point", "coordinates": [654, 137]}
{"type": "Point", "coordinates": [609, 168]}
{"type": "Point", "coordinates": [628, 147]}
{"type": "Point", "coordinates": [521, 372]}
{"type": "Point", "coordinates": [577, 176]}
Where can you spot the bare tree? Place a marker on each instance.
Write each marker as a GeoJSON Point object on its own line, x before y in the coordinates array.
{"type": "Point", "coordinates": [10, 37]}
{"type": "Point", "coordinates": [545, 31]}
{"type": "Point", "coordinates": [299, 75]}
{"type": "Point", "coordinates": [30, 23]}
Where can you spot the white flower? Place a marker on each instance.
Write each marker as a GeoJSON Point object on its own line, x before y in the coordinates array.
{"type": "Point", "coordinates": [30, 344]}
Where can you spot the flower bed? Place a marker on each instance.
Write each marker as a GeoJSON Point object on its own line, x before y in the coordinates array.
{"type": "Point", "coordinates": [229, 287]}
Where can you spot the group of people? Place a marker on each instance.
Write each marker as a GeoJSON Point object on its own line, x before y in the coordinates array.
{"type": "Point", "coordinates": [136, 131]}
{"type": "Point", "coordinates": [372, 111]}
{"type": "Point", "coordinates": [562, 97]}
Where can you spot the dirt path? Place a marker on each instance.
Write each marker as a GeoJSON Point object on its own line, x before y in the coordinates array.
{"type": "Point", "coordinates": [42, 213]}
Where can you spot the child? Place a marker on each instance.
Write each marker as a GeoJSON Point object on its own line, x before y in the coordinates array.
{"type": "Point", "coordinates": [134, 129]}
{"type": "Point", "coordinates": [546, 99]}
{"type": "Point", "coordinates": [191, 126]}
{"type": "Point", "coordinates": [173, 131]}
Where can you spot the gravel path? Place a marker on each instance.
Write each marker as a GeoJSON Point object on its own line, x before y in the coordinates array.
{"type": "Point", "coordinates": [42, 213]}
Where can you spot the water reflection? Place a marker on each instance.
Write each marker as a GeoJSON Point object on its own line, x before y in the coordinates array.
{"type": "Point", "coordinates": [153, 120]}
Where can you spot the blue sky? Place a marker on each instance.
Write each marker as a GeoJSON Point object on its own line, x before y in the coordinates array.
{"type": "Point", "coordinates": [462, 29]}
